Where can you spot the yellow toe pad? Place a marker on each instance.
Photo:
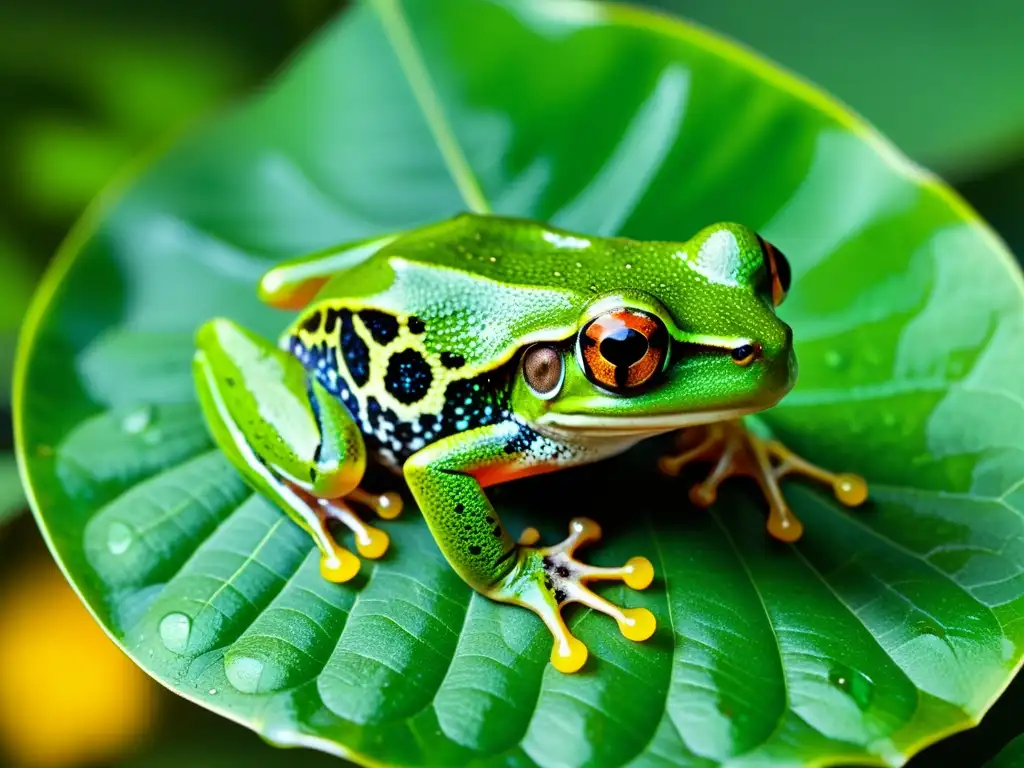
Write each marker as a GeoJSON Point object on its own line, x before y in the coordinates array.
{"type": "Point", "coordinates": [339, 568]}
{"type": "Point", "coordinates": [569, 658]}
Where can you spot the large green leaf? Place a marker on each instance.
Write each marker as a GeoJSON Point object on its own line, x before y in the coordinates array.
{"type": "Point", "coordinates": [940, 77]}
{"type": "Point", "coordinates": [881, 631]}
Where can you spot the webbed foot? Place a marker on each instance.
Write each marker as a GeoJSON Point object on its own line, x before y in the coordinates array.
{"type": "Point", "coordinates": [546, 579]}
{"type": "Point", "coordinates": [738, 451]}
{"type": "Point", "coordinates": [337, 564]}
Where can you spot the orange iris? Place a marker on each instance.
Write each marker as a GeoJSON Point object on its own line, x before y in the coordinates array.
{"type": "Point", "coordinates": [623, 349]}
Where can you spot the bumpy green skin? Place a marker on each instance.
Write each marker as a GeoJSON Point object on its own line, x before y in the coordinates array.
{"type": "Point", "coordinates": [416, 341]}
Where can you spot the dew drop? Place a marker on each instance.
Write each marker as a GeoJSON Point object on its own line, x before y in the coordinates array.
{"type": "Point", "coordinates": [136, 421]}
{"type": "Point", "coordinates": [119, 538]}
{"type": "Point", "coordinates": [174, 631]}
{"type": "Point", "coordinates": [835, 360]}
{"type": "Point", "coordinates": [244, 673]}
{"type": "Point", "coordinates": [213, 691]}
{"type": "Point", "coordinates": [856, 685]}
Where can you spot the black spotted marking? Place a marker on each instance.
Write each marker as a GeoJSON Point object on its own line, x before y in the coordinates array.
{"type": "Point", "coordinates": [469, 403]}
{"type": "Point", "coordinates": [416, 325]}
{"type": "Point", "coordinates": [497, 531]}
{"type": "Point", "coordinates": [560, 595]}
{"type": "Point", "coordinates": [489, 519]}
{"type": "Point", "coordinates": [452, 361]}
{"type": "Point", "coordinates": [382, 326]}
{"type": "Point", "coordinates": [312, 474]}
{"type": "Point", "coordinates": [409, 376]}
{"type": "Point", "coordinates": [562, 571]}
{"type": "Point", "coordinates": [229, 381]}
{"type": "Point", "coordinates": [549, 584]}
{"type": "Point", "coordinates": [474, 549]}
{"type": "Point", "coordinates": [460, 508]}
{"type": "Point", "coordinates": [331, 318]}
{"type": "Point", "coordinates": [353, 350]}
{"type": "Point", "coordinates": [312, 323]}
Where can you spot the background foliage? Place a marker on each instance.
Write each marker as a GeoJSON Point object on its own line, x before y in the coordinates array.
{"type": "Point", "coordinates": [86, 86]}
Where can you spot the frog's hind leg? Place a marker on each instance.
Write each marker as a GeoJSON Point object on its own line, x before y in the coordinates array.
{"type": "Point", "coordinates": [448, 480]}
{"type": "Point", "coordinates": [290, 439]}
{"type": "Point", "coordinates": [736, 450]}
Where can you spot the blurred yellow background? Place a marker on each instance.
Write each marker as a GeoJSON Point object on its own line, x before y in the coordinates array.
{"type": "Point", "coordinates": [85, 85]}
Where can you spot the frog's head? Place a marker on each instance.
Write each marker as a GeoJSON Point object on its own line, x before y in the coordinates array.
{"type": "Point", "coordinates": [691, 336]}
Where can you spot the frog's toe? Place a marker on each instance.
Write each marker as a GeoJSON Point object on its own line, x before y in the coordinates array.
{"type": "Point", "coordinates": [339, 566]}
{"type": "Point", "coordinates": [549, 578]}
{"type": "Point", "coordinates": [387, 506]}
{"type": "Point", "coordinates": [736, 450]}
{"type": "Point", "coordinates": [371, 542]}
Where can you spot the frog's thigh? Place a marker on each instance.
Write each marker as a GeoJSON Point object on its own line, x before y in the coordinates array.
{"type": "Point", "coordinates": [289, 421]}
{"type": "Point", "coordinates": [240, 378]}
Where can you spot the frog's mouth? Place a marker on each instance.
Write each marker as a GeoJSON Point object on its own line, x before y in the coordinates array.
{"type": "Point", "coordinates": [591, 425]}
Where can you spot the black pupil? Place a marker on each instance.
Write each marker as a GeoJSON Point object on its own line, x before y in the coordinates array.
{"type": "Point", "coordinates": [742, 353]}
{"type": "Point", "coordinates": [623, 347]}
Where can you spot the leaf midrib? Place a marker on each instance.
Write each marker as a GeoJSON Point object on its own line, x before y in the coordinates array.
{"type": "Point", "coordinates": [410, 59]}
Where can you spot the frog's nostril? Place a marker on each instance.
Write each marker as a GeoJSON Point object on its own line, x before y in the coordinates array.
{"type": "Point", "coordinates": [624, 346]}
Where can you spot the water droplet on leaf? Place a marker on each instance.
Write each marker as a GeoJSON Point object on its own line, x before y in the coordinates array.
{"type": "Point", "coordinates": [856, 684]}
{"type": "Point", "coordinates": [119, 538]}
{"type": "Point", "coordinates": [174, 631]}
{"type": "Point", "coordinates": [136, 421]}
{"type": "Point", "coordinates": [244, 673]}
{"type": "Point", "coordinates": [835, 360]}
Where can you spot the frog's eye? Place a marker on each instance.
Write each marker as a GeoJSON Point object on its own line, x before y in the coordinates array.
{"type": "Point", "coordinates": [778, 270]}
{"type": "Point", "coordinates": [623, 349]}
{"type": "Point", "coordinates": [543, 370]}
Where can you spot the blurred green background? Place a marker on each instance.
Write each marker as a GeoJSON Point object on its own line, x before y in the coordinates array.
{"type": "Point", "coordinates": [86, 85]}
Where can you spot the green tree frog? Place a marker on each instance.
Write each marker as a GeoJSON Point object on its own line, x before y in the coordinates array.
{"type": "Point", "coordinates": [483, 349]}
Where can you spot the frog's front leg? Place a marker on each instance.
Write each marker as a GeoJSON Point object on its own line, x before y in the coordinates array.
{"type": "Point", "coordinates": [448, 478]}
{"type": "Point", "coordinates": [736, 449]}
{"type": "Point", "coordinates": [291, 440]}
